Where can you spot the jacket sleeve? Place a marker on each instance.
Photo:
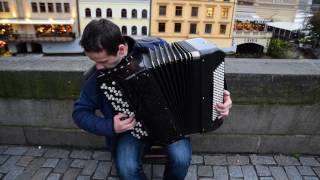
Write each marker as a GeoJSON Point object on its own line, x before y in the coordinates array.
{"type": "Point", "coordinates": [84, 114]}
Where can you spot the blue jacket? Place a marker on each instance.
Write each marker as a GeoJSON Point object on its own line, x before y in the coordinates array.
{"type": "Point", "coordinates": [92, 99]}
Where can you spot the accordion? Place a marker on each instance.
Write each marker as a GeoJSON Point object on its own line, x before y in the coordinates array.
{"type": "Point", "coordinates": [171, 89]}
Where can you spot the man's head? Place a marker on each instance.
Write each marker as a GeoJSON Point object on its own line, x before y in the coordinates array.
{"type": "Point", "coordinates": [103, 43]}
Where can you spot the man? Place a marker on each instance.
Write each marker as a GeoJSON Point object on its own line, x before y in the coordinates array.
{"type": "Point", "coordinates": [104, 44]}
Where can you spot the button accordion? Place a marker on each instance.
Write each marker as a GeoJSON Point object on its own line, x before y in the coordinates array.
{"type": "Point", "coordinates": [171, 89]}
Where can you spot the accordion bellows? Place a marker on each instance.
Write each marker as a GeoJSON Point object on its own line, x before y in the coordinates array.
{"type": "Point", "coordinates": [171, 89]}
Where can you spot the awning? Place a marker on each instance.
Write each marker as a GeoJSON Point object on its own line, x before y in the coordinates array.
{"type": "Point", "coordinates": [36, 21]}
{"type": "Point", "coordinates": [290, 26]}
{"type": "Point", "coordinates": [249, 17]}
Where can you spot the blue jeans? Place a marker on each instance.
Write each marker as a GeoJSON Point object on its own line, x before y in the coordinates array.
{"type": "Point", "coordinates": [130, 151]}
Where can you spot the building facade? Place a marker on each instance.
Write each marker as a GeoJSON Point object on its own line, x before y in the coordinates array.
{"type": "Point", "coordinates": [132, 16]}
{"type": "Point", "coordinates": [39, 25]}
{"type": "Point", "coordinates": [176, 20]}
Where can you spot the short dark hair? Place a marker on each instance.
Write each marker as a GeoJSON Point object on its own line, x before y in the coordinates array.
{"type": "Point", "coordinates": [101, 35]}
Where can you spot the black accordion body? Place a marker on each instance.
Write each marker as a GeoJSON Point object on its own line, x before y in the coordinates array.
{"type": "Point", "coordinates": [171, 89]}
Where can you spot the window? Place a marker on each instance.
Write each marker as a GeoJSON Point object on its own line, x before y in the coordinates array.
{"type": "Point", "coordinates": [134, 13]}
{"type": "Point", "coordinates": [50, 7]}
{"type": "Point", "coordinates": [144, 31]}
{"type": "Point", "coordinates": [210, 12]}
{"type": "Point", "coordinates": [42, 7]}
{"type": "Point", "coordinates": [134, 30]}
{"type": "Point", "coordinates": [59, 8]}
{"type": "Point", "coordinates": [178, 10]}
{"type": "Point", "coordinates": [224, 12]}
{"type": "Point", "coordinates": [66, 7]}
{"type": "Point", "coordinates": [88, 12]}
{"type": "Point", "coordinates": [223, 28]}
{"type": "Point", "coordinates": [123, 13]}
{"type": "Point", "coordinates": [5, 7]}
{"type": "Point", "coordinates": [162, 10]}
{"type": "Point", "coordinates": [193, 28]}
{"type": "Point", "coordinates": [194, 11]}
{"type": "Point", "coordinates": [98, 12]}
{"type": "Point", "coordinates": [208, 28]}
{"type": "Point", "coordinates": [144, 13]}
{"type": "Point", "coordinates": [124, 30]}
{"type": "Point", "coordinates": [177, 27]}
{"type": "Point", "coordinates": [109, 12]}
{"type": "Point", "coordinates": [34, 7]}
{"type": "Point", "coordinates": [162, 27]}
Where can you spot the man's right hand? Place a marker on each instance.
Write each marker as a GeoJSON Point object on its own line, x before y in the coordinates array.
{"type": "Point", "coordinates": [122, 123]}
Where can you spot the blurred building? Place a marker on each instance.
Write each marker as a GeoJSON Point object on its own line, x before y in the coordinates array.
{"type": "Point", "coordinates": [39, 25]}
{"type": "Point", "coordinates": [176, 20]}
{"type": "Point", "coordinates": [132, 16]}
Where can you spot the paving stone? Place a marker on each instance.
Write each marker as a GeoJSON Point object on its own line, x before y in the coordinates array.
{"type": "Point", "coordinates": [205, 171]}
{"type": "Point", "coordinates": [83, 178]}
{"type": "Point", "coordinates": [54, 176]}
{"type": "Point", "coordinates": [78, 163]}
{"type": "Point", "coordinates": [310, 178]}
{"type": "Point", "coordinates": [101, 155]}
{"type": "Point", "coordinates": [3, 158]}
{"type": "Point", "coordinates": [158, 170]}
{"type": "Point", "coordinates": [71, 173]}
{"type": "Point", "coordinates": [235, 178]}
{"type": "Point", "coordinates": [13, 174]}
{"type": "Point", "coordinates": [147, 170]}
{"type": "Point", "coordinates": [293, 173]}
{"type": "Point", "coordinates": [309, 161]}
{"type": "Point", "coordinates": [215, 160]}
{"type": "Point", "coordinates": [3, 149]}
{"type": "Point", "coordinates": [10, 164]}
{"type": "Point", "coordinates": [266, 178]}
{"type": "Point", "coordinates": [249, 172]}
{"type": "Point", "coordinates": [76, 154]}
{"type": "Point", "coordinates": [306, 171]}
{"type": "Point", "coordinates": [62, 166]}
{"type": "Point", "coordinates": [102, 170]}
{"type": "Point", "coordinates": [35, 164]}
{"type": "Point", "coordinates": [89, 167]}
{"type": "Point", "coordinates": [262, 160]}
{"type": "Point", "coordinates": [278, 173]}
{"type": "Point", "coordinates": [263, 170]}
{"type": "Point", "coordinates": [57, 153]}
{"type": "Point", "coordinates": [51, 163]}
{"type": "Point", "coordinates": [42, 173]}
{"type": "Point", "coordinates": [24, 161]}
{"type": "Point", "coordinates": [197, 159]}
{"type": "Point", "coordinates": [317, 170]}
{"type": "Point", "coordinates": [192, 173]}
{"type": "Point", "coordinates": [35, 152]}
{"type": "Point", "coordinates": [238, 160]}
{"type": "Point", "coordinates": [26, 175]}
{"type": "Point", "coordinates": [18, 151]}
{"type": "Point", "coordinates": [206, 179]}
{"type": "Point", "coordinates": [283, 160]}
{"type": "Point", "coordinates": [235, 171]}
{"type": "Point", "coordinates": [220, 172]}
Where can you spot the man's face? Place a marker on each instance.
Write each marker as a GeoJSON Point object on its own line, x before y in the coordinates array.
{"type": "Point", "coordinates": [103, 60]}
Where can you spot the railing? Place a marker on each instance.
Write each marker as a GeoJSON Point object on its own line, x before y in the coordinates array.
{"type": "Point", "coordinates": [42, 37]}
{"type": "Point", "coordinates": [262, 34]}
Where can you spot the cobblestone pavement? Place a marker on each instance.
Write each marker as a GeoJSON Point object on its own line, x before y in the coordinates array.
{"type": "Point", "coordinates": [21, 162]}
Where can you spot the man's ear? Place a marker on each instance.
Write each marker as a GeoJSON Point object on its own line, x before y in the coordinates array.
{"type": "Point", "coordinates": [121, 49]}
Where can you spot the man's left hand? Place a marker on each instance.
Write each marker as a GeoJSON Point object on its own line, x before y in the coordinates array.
{"type": "Point", "coordinates": [224, 108]}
